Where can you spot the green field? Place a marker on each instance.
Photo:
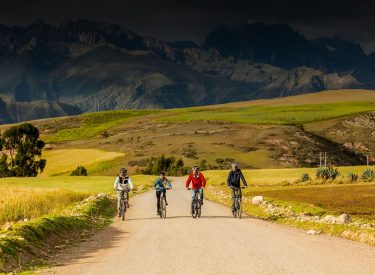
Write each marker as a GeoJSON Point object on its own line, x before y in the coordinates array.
{"type": "Point", "coordinates": [91, 124]}
{"type": "Point", "coordinates": [276, 115]}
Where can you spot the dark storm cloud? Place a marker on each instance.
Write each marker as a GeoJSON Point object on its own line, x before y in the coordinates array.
{"type": "Point", "coordinates": [172, 20]}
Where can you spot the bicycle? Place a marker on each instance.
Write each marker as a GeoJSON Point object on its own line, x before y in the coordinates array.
{"type": "Point", "coordinates": [123, 204]}
{"type": "Point", "coordinates": [196, 206]}
{"type": "Point", "coordinates": [237, 210]}
{"type": "Point", "coordinates": [163, 205]}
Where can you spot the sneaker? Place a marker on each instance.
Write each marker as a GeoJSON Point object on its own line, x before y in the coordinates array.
{"type": "Point", "coordinates": [119, 215]}
{"type": "Point", "coordinates": [166, 203]}
{"type": "Point", "coordinates": [201, 202]}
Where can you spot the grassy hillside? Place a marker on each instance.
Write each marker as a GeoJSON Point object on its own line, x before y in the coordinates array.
{"type": "Point", "coordinates": [276, 133]}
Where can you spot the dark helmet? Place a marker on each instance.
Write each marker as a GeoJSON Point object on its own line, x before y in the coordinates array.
{"type": "Point", "coordinates": [235, 165]}
{"type": "Point", "coordinates": [123, 170]}
{"type": "Point", "coordinates": [162, 173]}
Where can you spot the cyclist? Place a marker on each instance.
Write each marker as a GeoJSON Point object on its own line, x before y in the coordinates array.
{"type": "Point", "coordinates": [123, 183]}
{"type": "Point", "coordinates": [198, 182]}
{"type": "Point", "coordinates": [161, 185]}
{"type": "Point", "coordinates": [234, 180]}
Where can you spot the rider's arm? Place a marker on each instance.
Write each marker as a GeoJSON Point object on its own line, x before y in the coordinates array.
{"type": "Point", "coordinates": [169, 185]}
{"type": "Point", "coordinates": [115, 186]}
{"type": "Point", "coordinates": [229, 180]}
{"type": "Point", "coordinates": [156, 184]}
{"type": "Point", "coordinates": [243, 179]}
{"type": "Point", "coordinates": [188, 181]}
{"type": "Point", "coordinates": [203, 180]}
{"type": "Point", "coordinates": [131, 185]}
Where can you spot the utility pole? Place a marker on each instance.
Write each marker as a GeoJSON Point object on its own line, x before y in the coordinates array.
{"type": "Point", "coordinates": [325, 159]}
{"type": "Point", "coordinates": [320, 159]}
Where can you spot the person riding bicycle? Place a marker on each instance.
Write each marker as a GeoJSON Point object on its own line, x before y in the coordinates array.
{"type": "Point", "coordinates": [234, 181]}
{"type": "Point", "coordinates": [198, 182]}
{"type": "Point", "coordinates": [123, 183]}
{"type": "Point", "coordinates": [161, 185]}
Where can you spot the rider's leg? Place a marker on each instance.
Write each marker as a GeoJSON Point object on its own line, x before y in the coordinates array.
{"type": "Point", "coordinates": [158, 193]}
{"type": "Point", "coordinates": [201, 195]}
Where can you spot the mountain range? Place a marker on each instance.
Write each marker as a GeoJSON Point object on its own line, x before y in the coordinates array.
{"type": "Point", "coordinates": [84, 66]}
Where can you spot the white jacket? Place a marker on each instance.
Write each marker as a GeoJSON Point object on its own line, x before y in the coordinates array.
{"type": "Point", "coordinates": [122, 186]}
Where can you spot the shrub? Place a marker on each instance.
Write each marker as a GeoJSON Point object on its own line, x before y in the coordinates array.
{"type": "Point", "coordinates": [305, 177]}
{"type": "Point", "coordinates": [353, 177]}
{"type": "Point", "coordinates": [172, 166]}
{"type": "Point", "coordinates": [368, 175]}
{"type": "Point", "coordinates": [326, 173]}
{"type": "Point", "coordinates": [79, 171]}
{"type": "Point", "coordinates": [189, 152]}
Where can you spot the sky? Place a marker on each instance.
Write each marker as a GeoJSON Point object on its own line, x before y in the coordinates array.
{"type": "Point", "coordinates": [192, 20]}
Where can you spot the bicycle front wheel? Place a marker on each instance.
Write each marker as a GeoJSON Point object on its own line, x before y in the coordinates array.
{"type": "Point", "coordinates": [194, 209]}
{"type": "Point", "coordinates": [163, 209]}
{"type": "Point", "coordinates": [123, 210]}
{"type": "Point", "coordinates": [239, 208]}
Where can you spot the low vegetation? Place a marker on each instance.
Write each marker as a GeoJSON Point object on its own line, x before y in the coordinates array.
{"type": "Point", "coordinates": [79, 171]}
{"type": "Point", "coordinates": [172, 166]}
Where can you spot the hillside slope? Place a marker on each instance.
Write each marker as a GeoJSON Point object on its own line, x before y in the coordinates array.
{"type": "Point", "coordinates": [288, 132]}
{"type": "Point", "coordinates": [14, 111]}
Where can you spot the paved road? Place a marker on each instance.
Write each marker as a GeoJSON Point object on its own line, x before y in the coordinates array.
{"type": "Point", "coordinates": [214, 244]}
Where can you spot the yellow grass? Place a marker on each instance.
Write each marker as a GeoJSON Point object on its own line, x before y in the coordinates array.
{"type": "Point", "coordinates": [27, 203]}
{"type": "Point", "coordinates": [66, 160]}
{"type": "Point", "coordinates": [29, 198]}
{"type": "Point", "coordinates": [264, 177]}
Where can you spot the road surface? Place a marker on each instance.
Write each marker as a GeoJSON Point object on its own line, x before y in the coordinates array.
{"type": "Point", "coordinates": [216, 243]}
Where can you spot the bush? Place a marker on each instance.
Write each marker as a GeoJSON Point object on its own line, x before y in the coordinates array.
{"type": "Point", "coordinates": [353, 177]}
{"type": "Point", "coordinates": [79, 171]}
{"type": "Point", "coordinates": [189, 152]}
{"type": "Point", "coordinates": [368, 175]}
{"type": "Point", "coordinates": [326, 173]}
{"type": "Point", "coordinates": [172, 166]}
{"type": "Point", "coordinates": [305, 177]}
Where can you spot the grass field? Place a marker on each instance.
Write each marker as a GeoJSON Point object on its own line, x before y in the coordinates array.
{"type": "Point", "coordinates": [25, 198]}
{"type": "Point", "coordinates": [357, 199]}
{"type": "Point", "coordinates": [271, 177]}
{"type": "Point", "coordinates": [66, 160]}
{"type": "Point", "coordinates": [276, 115]}
{"type": "Point", "coordinates": [92, 124]}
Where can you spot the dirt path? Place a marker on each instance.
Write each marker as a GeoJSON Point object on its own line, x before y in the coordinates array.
{"type": "Point", "coordinates": [214, 244]}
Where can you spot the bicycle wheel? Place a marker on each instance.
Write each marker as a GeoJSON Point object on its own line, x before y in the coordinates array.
{"type": "Point", "coordinates": [199, 209]}
{"type": "Point", "coordinates": [239, 210]}
{"type": "Point", "coordinates": [123, 207]}
{"type": "Point", "coordinates": [163, 208]}
{"type": "Point", "coordinates": [194, 209]}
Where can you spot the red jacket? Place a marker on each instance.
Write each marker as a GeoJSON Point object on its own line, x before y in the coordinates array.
{"type": "Point", "coordinates": [196, 182]}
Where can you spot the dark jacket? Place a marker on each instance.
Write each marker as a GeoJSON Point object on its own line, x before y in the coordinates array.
{"type": "Point", "coordinates": [235, 177]}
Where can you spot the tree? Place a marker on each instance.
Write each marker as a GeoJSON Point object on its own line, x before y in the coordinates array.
{"type": "Point", "coordinates": [25, 150]}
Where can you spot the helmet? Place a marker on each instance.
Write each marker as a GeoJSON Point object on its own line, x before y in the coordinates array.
{"type": "Point", "coordinates": [195, 168]}
{"type": "Point", "coordinates": [235, 165]}
{"type": "Point", "coordinates": [162, 173]}
{"type": "Point", "coordinates": [123, 170]}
